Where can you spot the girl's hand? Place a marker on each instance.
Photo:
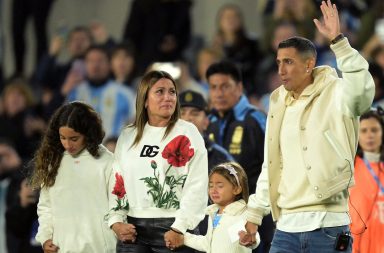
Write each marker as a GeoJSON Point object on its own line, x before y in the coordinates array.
{"type": "Point", "coordinates": [248, 238]}
{"type": "Point", "coordinates": [49, 247]}
{"type": "Point", "coordinates": [173, 240]}
{"type": "Point", "coordinates": [125, 232]}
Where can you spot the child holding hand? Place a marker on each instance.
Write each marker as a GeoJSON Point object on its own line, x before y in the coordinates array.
{"type": "Point", "coordinates": [228, 190]}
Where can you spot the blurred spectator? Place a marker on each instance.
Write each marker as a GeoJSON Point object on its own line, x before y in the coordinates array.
{"type": "Point", "coordinates": [9, 163]}
{"type": "Point", "coordinates": [51, 74]}
{"type": "Point", "coordinates": [232, 39]}
{"type": "Point", "coordinates": [110, 143]}
{"type": "Point", "coordinates": [180, 72]}
{"type": "Point", "coordinates": [1, 48]}
{"type": "Point", "coordinates": [194, 109]}
{"type": "Point", "coordinates": [369, 23]}
{"type": "Point", "coordinates": [123, 65]}
{"type": "Point", "coordinates": [164, 41]}
{"type": "Point", "coordinates": [205, 58]}
{"type": "Point", "coordinates": [20, 121]}
{"type": "Point", "coordinates": [367, 196]}
{"type": "Point", "coordinates": [378, 77]}
{"type": "Point", "coordinates": [298, 12]}
{"type": "Point", "coordinates": [12, 222]}
{"type": "Point", "coordinates": [21, 11]}
{"type": "Point", "coordinates": [21, 217]}
{"type": "Point", "coordinates": [283, 31]}
{"type": "Point", "coordinates": [187, 82]}
{"type": "Point", "coordinates": [114, 102]}
{"type": "Point", "coordinates": [101, 36]}
{"type": "Point", "coordinates": [272, 82]}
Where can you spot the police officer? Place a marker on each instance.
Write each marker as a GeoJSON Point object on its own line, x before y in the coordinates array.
{"type": "Point", "coordinates": [194, 109]}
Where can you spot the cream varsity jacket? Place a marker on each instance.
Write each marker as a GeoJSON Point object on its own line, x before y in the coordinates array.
{"type": "Point", "coordinates": [328, 135]}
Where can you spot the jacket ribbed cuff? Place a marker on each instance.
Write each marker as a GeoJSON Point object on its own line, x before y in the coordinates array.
{"type": "Point", "coordinates": [180, 225]}
{"type": "Point", "coordinates": [342, 48]}
{"type": "Point", "coordinates": [254, 215]}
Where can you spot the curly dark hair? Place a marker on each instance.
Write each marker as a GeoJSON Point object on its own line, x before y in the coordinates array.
{"type": "Point", "coordinates": [83, 119]}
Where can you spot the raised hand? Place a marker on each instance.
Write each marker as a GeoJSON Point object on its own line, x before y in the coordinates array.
{"type": "Point", "coordinates": [330, 28]}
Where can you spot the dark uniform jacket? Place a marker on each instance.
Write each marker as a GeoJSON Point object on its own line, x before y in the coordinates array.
{"type": "Point", "coordinates": [216, 154]}
{"type": "Point", "coordinates": [241, 132]}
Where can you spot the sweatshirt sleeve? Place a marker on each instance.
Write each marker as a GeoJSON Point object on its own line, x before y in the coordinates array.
{"type": "Point", "coordinates": [197, 242]}
{"type": "Point", "coordinates": [194, 196]}
{"type": "Point", "coordinates": [356, 88]}
{"type": "Point", "coordinates": [44, 211]}
{"type": "Point", "coordinates": [258, 203]}
{"type": "Point", "coordinates": [116, 214]}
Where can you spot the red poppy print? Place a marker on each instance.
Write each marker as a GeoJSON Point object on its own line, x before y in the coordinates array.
{"type": "Point", "coordinates": [178, 151]}
{"type": "Point", "coordinates": [119, 189]}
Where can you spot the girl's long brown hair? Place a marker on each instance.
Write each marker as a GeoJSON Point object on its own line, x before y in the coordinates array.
{"type": "Point", "coordinates": [82, 119]}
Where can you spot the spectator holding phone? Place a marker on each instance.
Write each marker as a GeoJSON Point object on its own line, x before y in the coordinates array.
{"type": "Point", "coordinates": [52, 75]}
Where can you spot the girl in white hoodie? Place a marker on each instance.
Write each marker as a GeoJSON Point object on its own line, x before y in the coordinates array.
{"type": "Point", "coordinates": [228, 190]}
{"type": "Point", "coordinates": [73, 170]}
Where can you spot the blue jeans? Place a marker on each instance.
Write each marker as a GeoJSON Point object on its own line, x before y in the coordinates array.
{"type": "Point", "coordinates": [321, 240]}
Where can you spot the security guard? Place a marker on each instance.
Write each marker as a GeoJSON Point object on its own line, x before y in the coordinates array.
{"type": "Point", "coordinates": [195, 110]}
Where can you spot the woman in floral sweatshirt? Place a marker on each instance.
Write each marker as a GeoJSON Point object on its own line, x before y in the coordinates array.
{"type": "Point", "coordinates": [162, 161]}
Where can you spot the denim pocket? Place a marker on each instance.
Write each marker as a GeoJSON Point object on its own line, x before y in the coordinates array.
{"type": "Point", "coordinates": [331, 232]}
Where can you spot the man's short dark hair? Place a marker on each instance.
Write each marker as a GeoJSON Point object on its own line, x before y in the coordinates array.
{"type": "Point", "coordinates": [226, 68]}
{"type": "Point", "coordinates": [304, 46]}
{"type": "Point", "coordinates": [99, 48]}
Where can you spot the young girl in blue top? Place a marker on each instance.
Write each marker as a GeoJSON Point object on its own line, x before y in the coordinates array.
{"type": "Point", "coordinates": [228, 190]}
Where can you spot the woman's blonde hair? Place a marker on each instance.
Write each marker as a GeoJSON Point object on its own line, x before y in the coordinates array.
{"type": "Point", "coordinates": [224, 169]}
{"type": "Point", "coordinates": [141, 119]}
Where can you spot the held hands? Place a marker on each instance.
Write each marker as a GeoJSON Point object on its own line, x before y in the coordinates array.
{"type": "Point", "coordinates": [49, 247]}
{"type": "Point", "coordinates": [248, 238]}
{"type": "Point", "coordinates": [125, 232]}
{"type": "Point", "coordinates": [330, 28]}
{"type": "Point", "coordinates": [173, 240]}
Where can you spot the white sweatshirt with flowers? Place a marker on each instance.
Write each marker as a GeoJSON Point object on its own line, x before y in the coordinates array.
{"type": "Point", "coordinates": [163, 177]}
{"type": "Point", "coordinates": [71, 212]}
